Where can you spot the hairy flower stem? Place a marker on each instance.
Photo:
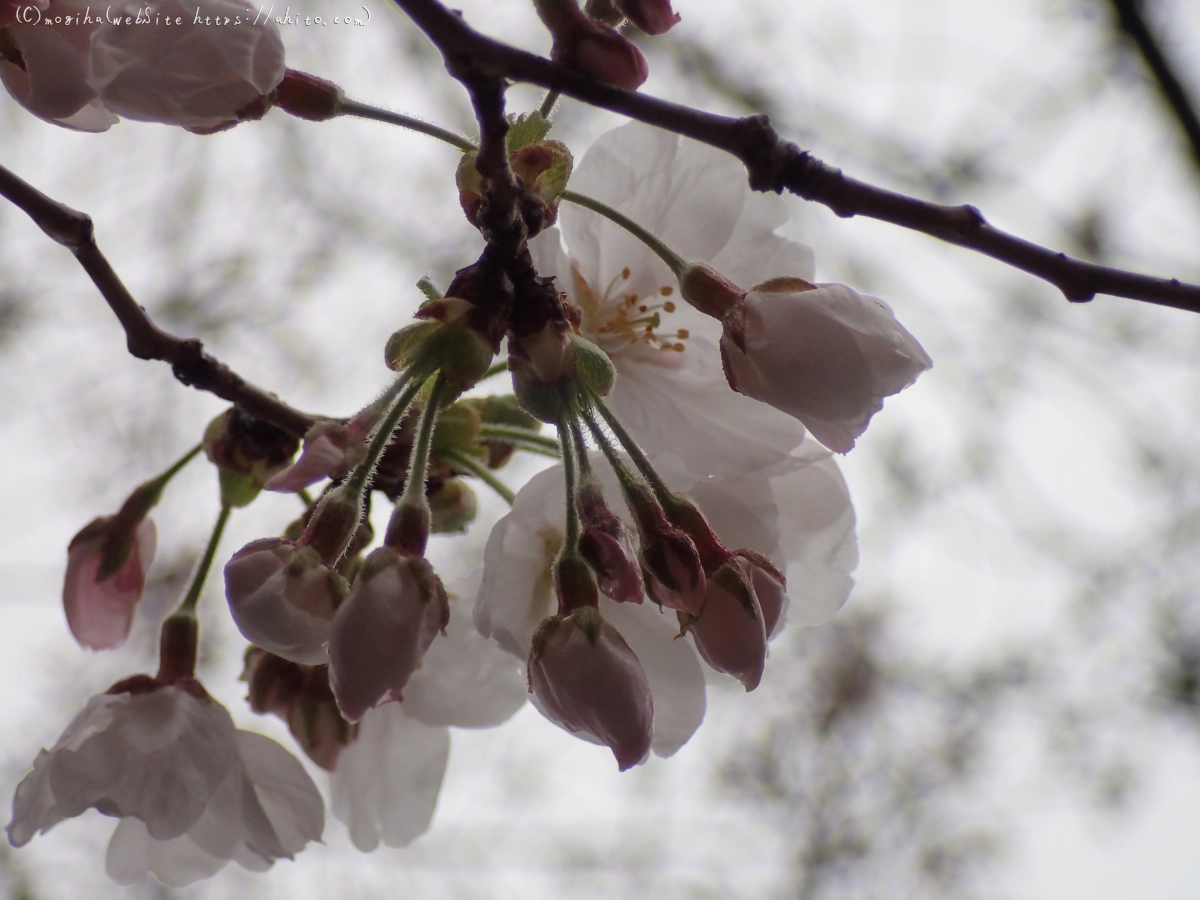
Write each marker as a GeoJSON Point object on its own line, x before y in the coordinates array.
{"type": "Point", "coordinates": [418, 462]}
{"type": "Point", "coordinates": [522, 437]}
{"type": "Point", "coordinates": [364, 111]}
{"type": "Point", "coordinates": [480, 471]}
{"type": "Point", "coordinates": [674, 261]}
{"type": "Point", "coordinates": [570, 456]}
{"type": "Point", "coordinates": [412, 384]}
{"type": "Point", "coordinates": [640, 460]}
{"type": "Point", "coordinates": [188, 606]}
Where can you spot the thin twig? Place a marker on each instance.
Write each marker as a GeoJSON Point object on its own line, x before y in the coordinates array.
{"type": "Point", "coordinates": [144, 339]}
{"type": "Point", "coordinates": [1134, 24]}
{"type": "Point", "coordinates": [776, 165]}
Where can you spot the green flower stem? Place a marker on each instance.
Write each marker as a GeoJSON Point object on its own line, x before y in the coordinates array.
{"type": "Point", "coordinates": [178, 465]}
{"type": "Point", "coordinates": [581, 452]}
{"type": "Point", "coordinates": [364, 111]}
{"type": "Point", "coordinates": [548, 104]}
{"type": "Point", "coordinates": [635, 452]}
{"type": "Point", "coordinates": [516, 434]}
{"type": "Point", "coordinates": [188, 606]}
{"type": "Point", "coordinates": [357, 481]}
{"type": "Point", "coordinates": [624, 477]}
{"type": "Point", "coordinates": [496, 368]}
{"type": "Point", "coordinates": [673, 260]}
{"type": "Point", "coordinates": [146, 495]}
{"type": "Point", "coordinates": [571, 475]}
{"type": "Point", "coordinates": [305, 497]}
{"type": "Point", "coordinates": [480, 471]}
{"type": "Point", "coordinates": [418, 462]}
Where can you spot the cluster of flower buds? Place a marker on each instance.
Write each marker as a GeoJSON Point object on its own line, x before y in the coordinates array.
{"type": "Point", "coordinates": [586, 39]}
{"type": "Point", "coordinates": [82, 66]}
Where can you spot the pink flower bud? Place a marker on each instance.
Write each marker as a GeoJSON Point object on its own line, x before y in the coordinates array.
{"type": "Point", "coordinates": [330, 450]}
{"type": "Point", "coordinates": [826, 355]}
{"type": "Point", "coordinates": [608, 547]}
{"type": "Point", "coordinates": [586, 679]}
{"type": "Point", "coordinates": [649, 16]}
{"type": "Point", "coordinates": [769, 589]}
{"type": "Point", "coordinates": [729, 633]}
{"type": "Point", "coordinates": [46, 67]}
{"type": "Point", "coordinates": [674, 574]}
{"type": "Point", "coordinates": [282, 598]}
{"type": "Point", "coordinates": [395, 609]}
{"type": "Point", "coordinates": [100, 609]}
{"type": "Point", "coordinates": [201, 73]}
{"type": "Point", "coordinates": [595, 49]}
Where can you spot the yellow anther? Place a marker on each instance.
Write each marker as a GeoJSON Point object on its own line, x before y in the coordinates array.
{"type": "Point", "coordinates": [666, 290]}
{"type": "Point", "coordinates": [668, 306]}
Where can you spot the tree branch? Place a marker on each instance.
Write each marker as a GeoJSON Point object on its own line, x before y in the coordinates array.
{"type": "Point", "coordinates": [144, 339]}
{"type": "Point", "coordinates": [1134, 24]}
{"type": "Point", "coordinates": [776, 165]}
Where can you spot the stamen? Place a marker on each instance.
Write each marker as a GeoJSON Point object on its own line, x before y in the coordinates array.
{"type": "Point", "coordinates": [633, 318]}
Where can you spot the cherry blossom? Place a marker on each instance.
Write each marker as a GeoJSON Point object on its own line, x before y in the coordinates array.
{"type": "Point", "coordinates": [100, 610]}
{"type": "Point", "coordinates": [798, 515]}
{"type": "Point", "coordinates": [586, 679]}
{"type": "Point", "coordinates": [51, 78]}
{"type": "Point", "coordinates": [283, 598]}
{"type": "Point", "coordinates": [192, 791]}
{"type": "Point", "coordinates": [385, 784]}
{"type": "Point", "coordinates": [195, 74]}
{"type": "Point", "coordinates": [824, 354]}
{"type": "Point", "coordinates": [669, 391]}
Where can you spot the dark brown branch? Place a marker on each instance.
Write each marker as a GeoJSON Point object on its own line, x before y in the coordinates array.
{"type": "Point", "coordinates": [775, 165]}
{"type": "Point", "coordinates": [145, 340]}
{"type": "Point", "coordinates": [1134, 24]}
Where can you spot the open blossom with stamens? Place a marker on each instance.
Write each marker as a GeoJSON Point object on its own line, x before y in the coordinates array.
{"type": "Point", "coordinates": [669, 391]}
{"type": "Point", "coordinates": [100, 610]}
{"type": "Point", "coordinates": [798, 516]}
{"type": "Point", "coordinates": [192, 792]}
{"type": "Point", "coordinates": [822, 353]}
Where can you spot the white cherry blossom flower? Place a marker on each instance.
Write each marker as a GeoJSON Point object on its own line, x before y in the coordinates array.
{"type": "Point", "coordinates": [192, 791]}
{"type": "Point", "coordinates": [670, 392]}
{"type": "Point", "coordinates": [385, 784]}
{"type": "Point", "coordinates": [798, 516]}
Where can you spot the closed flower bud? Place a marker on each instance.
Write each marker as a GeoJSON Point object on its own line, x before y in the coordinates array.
{"type": "Point", "coordinates": [590, 47]}
{"type": "Point", "coordinates": [825, 354]}
{"type": "Point", "coordinates": [675, 573]}
{"type": "Point", "coordinates": [45, 66]}
{"type": "Point", "coordinates": [100, 606]}
{"type": "Point", "coordinates": [392, 614]}
{"type": "Point", "coordinates": [283, 598]}
{"type": "Point", "coordinates": [608, 547]}
{"type": "Point", "coordinates": [729, 632]}
{"type": "Point", "coordinates": [197, 74]}
{"type": "Point", "coordinates": [585, 678]}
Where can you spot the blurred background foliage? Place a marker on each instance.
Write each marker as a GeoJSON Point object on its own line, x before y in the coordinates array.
{"type": "Point", "coordinates": [1009, 704]}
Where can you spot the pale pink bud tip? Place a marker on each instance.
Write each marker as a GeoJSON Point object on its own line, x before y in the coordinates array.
{"type": "Point", "coordinates": [201, 74]}
{"type": "Point", "coordinates": [282, 598]}
{"type": "Point", "coordinates": [826, 355]}
{"type": "Point", "coordinates": [585, 678]}
{"type": "Point", "coordinates": [730, 633]}
{"type": "Point", "coordinates": [100, 611]}
{"type": "Point", "coordinates": [383, 628]}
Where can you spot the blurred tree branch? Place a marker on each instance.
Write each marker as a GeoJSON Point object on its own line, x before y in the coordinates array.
{"type": "Point", "coordinates": [1132, 22]}
{"type": "Point", "coordinates": [775, 165]}
{"type": "Point", "coordinates": [145, 340]}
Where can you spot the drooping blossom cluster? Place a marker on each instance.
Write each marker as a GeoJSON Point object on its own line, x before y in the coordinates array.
{"type": "Point", "coordinates": [691, 370]}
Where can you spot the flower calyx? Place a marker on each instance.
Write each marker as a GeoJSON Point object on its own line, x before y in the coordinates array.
{"type": "Point", "coordinates": [247, 452]}
{"type": "Point", "coordinates": [309, 97]}
{"type": "Point", "coordinates": [543, 167]}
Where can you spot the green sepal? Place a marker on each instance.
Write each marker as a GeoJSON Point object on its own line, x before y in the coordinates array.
{"type": "Point", "coordinates": [525, 129]}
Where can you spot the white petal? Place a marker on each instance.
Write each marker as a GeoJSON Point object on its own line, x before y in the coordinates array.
{"type": "Point", "coordinates": [132, 853]}
{"type": "Point", "coordinates": [465, 679]}
{"type": "Point", "coordinates": [672, 670]}
{"type": "Point", "coordinates": [287, 794]}
{"type": "Point", "coordinates": [386, 783]}
{"type": "Point", "coordinates": [34, 810]}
